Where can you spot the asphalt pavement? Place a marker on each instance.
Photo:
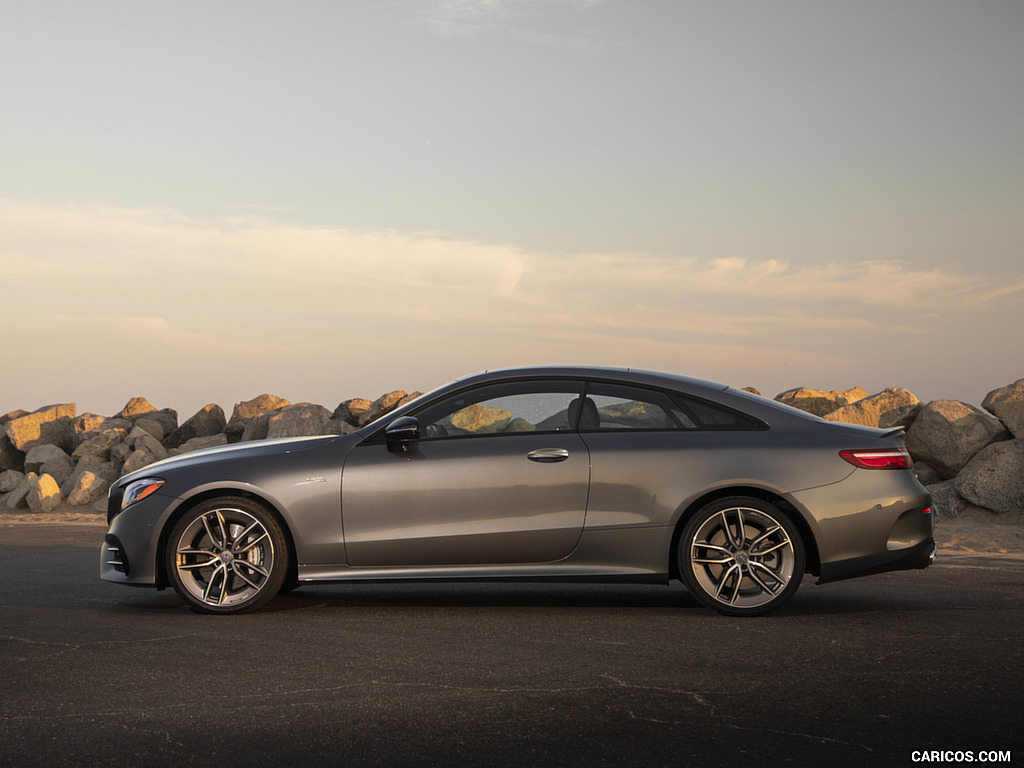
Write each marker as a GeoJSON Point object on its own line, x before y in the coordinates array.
{"type": "Point", "coordinates": [866, 672]}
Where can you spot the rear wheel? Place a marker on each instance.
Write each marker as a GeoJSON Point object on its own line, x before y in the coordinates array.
{"type": "Point", "coordinates": [741, 556]}
{"type": "Point", "coordinates": [227, 555]}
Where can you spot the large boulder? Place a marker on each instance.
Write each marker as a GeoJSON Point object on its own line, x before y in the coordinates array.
{"type": "Point", "coordinates": [152, 426]}
{"type": "Point", "coordinates": [50, 460]}
{"type": "Point", "coordinates": [10, 479]}
{"type": "Point", "coordinates": [245, 412]}
{"type": "Point", "coordinates": [50, 424]}
{"type": "Point", "coordinates": [299, 420]}
{"type": "Point", "coordinates": [481, 419]}
{"type": "Point", "coordinates": [141, 440]}
{"type": "Point", "coordinates": [1007, 403]}
{"type": "Point", "coordinates": [948, 433]}
{"type": "Point", "coordinates": [892, 407]}
{"type": "Point", "coordinates": [106, 471]}
{"type": "Point", "coordinates": [199, 443]}
{"type": "Point", "coordinates": [819, 402]}
{"type": "Point", "coordinates": [100, 445]}
{"type": "Point", "coordinates": [84, 427]}
{"type": "Point", "coordinates": [16, 499]}
{"type": "Point", "coordinates": [209, 420]}
{"type": "Point", "coordinates": [140, 408]}
{"type": "Point", "coordinates": [350, 411]}
{"type": "Point", "coordinates": [10, 457]}
{"type": "Point", "coordinates": [90, 484]}
{"type": "Point", "coordinates": [136, 460]}
{"type": "Point", "coordinates": [43, 494]}
{"type": "Point", "coordinates": [994, 478]}
{"type": "Point", "coordinates": [382, 405]}
{"type": "Point", "coordinates": [945, 499]}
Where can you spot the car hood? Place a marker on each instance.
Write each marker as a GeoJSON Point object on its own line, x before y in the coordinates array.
{"type": "Point", "coordinates": [233, 452]}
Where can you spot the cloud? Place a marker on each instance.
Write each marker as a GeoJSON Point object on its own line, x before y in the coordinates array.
{"type": "Point", "coordinates": [250, 298]}
{"type": "Point", "coordinates": [162, 260]}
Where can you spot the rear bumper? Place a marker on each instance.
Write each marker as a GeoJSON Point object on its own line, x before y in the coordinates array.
{"type": "Point", "coordinates": [919, 556]}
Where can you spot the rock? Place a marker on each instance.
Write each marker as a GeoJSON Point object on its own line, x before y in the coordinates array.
{"type": "Point", "coordinates": [994, 478]}
{"type": "Point", "coordinates": [136, 461]}
{"type": "Point", "coordinates": [140, 408]}
{"type": "Point", "coordinates": [119, 455]}
{"type": "Point", "coordinates": [818, 402]}
{"type": "Point", "coordinates": [947, 434]}
{"type": "Point", "coordinates": [1007, 403]}
{"type": "Point", "coordinates": [945, 500]}
{"type": "Point", "coordinates": [10, 479]}
{"type": "Point", "coordinates": [299, 420]}
{"type": "Point", "coordinates": [137, 406]}
{"type": "Point", "coordinates": [36, 457]}
{"type": "Point", "coordinates": [257, 427]}
{"type": "Point", "coordinates": [338, 427]}
{"type": "Point", "coordinates": [409, 398]}
{"type": "Point", "coordinates": [50, 424]}
{"type": "Point", "coordinates": [480, 419]}
{"type": "Point", "coordinates": [16, 499]}
{"type": "Point", "coordinates": [753, 391]}
{"type": "Point", "coordinates": [244, 413]}
{"type": "Point", "coordinates": [926, 474]}
{"type": "Point", "coordinates": [84, 427]}
{"type": "Point", "coordinates": [10, 457]}
{"type": "Point", "coordinates": [152, 426]}
{"type": "Point", "coordinates": [51, 460]}
{"type": "Point", "coordinates": [199, 443]}
{"type": "Point", "coordinates": [892, 407]}
{"type": "Point", "coordinates": [100, 445]}
{"type": "Point", "coordinates": [166, 418]}
{"type": "Point", "coordinates": [350, 410]}
{"type": "Point", "coordinates": [146, 442]}
{"type": "Point", "coordinates": [381, 406]}
{"type": "Point", "coordinates": [104, 471]}
{"type": "Point", "coordinates": [208, 421]}
{"type": "Point", "coordinates": [90, 486]}
{"type": "Point", "coordinates": [43, 494]}
{"type": "Point", "coordinates": [520, 424]}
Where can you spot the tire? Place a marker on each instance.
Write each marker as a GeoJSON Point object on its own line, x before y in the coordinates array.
{"type": "Point", "coordinates": [227, 555]}
{"type": "Point", "coordinates": [741, 556]}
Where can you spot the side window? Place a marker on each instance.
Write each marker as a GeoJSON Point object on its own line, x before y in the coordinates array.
{"type": "Point", "coordinates": [532, 406]}
{"type": "Point", "coordinates": [712, 417]}
{"type": "Point", "coordinates": [614, 406]}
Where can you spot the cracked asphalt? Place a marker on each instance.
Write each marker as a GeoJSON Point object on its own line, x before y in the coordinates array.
{"type": "Point", "coordinates": [856, 673]}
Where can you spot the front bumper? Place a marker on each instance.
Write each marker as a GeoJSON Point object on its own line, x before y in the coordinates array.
{"type": "Point", "coordinates": [131, 546]}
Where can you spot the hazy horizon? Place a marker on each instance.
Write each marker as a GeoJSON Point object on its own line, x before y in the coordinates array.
{"type": "Point", "coordinates": [205, 202]}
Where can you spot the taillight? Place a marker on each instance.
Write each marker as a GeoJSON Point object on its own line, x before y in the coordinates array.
{"type": "Point", "coordinates": [879, 458]}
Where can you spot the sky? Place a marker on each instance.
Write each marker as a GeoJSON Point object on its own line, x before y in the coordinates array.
{"type": "Point", "coordinates": [205, 201]}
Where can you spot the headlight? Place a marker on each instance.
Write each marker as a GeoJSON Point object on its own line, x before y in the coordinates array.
{"type": "Point", "coordinates": [139, 490]}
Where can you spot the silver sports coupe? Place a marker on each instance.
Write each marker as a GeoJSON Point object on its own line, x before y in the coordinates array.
{"type": "Point", "coordinates": [554, 473]}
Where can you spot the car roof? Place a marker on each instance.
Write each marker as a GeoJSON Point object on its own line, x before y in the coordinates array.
{"type": "Point", "coordinates": [633, 375]}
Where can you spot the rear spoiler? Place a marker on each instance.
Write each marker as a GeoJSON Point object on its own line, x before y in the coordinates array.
{"type": "Point", "coordinates": [896, 432]}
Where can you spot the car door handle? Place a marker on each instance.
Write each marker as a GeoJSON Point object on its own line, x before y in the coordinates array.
{"type": "Point", "coordinates": [548, 455]}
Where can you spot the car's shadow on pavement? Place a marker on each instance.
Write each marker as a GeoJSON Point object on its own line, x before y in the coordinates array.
{"type": "Point", "coordinates": [810, 601]}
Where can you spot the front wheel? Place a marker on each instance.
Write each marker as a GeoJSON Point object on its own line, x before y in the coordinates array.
{"type": "Point", "coordinates": [227, 555]}
{"type": "Point", "coordinates": [741, 556]}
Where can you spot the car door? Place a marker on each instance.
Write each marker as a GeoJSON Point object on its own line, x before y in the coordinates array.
{"type": "Point", "coordinates": [498, 476]}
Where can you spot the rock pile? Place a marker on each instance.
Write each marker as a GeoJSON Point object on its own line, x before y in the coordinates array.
{"type": "Point", "coordinates": [50, 456]}
{"type": "Point", "coordinates": [963, 455]}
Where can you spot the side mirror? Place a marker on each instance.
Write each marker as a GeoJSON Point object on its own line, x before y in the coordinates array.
{"type": "Point", "coordinates": [401, 431]}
